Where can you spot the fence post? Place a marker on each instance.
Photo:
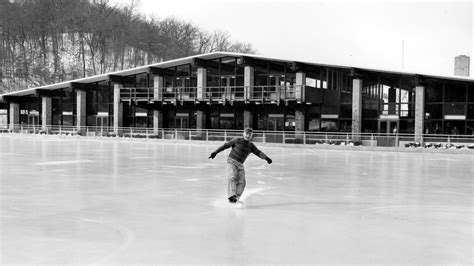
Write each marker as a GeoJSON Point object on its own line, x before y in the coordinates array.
{"type": "Point", "coordinates": [163, 133]}
{"type": "Point", "coordinates": [225, 135]}
{"type": "Point", "coordinates": [284, 141]}
{"type": "Point", "coordinates": [264, 137]}
{"type": "Point", "coordinates": [207, 135]}
{"type": "Point", "coordinates": [347, 139]}
{"type": "Point", "coordinates": [304, 138]}
{"type": "Point", "coordinates": [175, 133]}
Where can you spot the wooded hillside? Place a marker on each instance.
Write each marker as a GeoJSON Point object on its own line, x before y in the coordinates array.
{"type": "Point", "coordinates": [49, 41]}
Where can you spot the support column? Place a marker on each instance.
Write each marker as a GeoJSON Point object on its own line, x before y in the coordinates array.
{"type": "Point", "coordinates": [201, 82]}
{"type": "Point", "coordinates": [277, 89]}
{"type": "Point", "coordinates": [158, 85]}
{"type": "Point", "coordinates": [118, 110]}
{"type": "Point", "coordinates": [300, 82]}
{"type": "Point", "coordinates": [356, 108]}
{"type": "Point", "coordinates": [200, 119]}
{"type": "Point", "coordinates": [299, 121]}
{"type": "Point", "coordinates": [248, 82]}
{"type": "Point", "coordinates": [158, 82]}
{"type": "Point", "coordinates": [157, 121]}
{"type": "Point", "coordinates": [46, 113]}
{"type": "Point", "coordinates": [81, 115]}
{"type": "Point", "coordinates": [248, 119]}
{"type": "Point", "coordinates": [419, 113]}
{"type": "Point", "coordinates": [14, 117]}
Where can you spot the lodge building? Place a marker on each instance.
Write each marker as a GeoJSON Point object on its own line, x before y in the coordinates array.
{"type": "Point", "coordinates": [232, 91]}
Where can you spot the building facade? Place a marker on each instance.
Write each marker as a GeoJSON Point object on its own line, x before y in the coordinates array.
{"type": "Point", "coordinates": [233, 91]}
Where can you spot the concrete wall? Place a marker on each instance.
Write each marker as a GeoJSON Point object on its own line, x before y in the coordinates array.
{"type": "Point", "coordinates": [14, 117]}
{"type": "Point", "coordinates": [201, 83]}
{"type": "Point", "coordinates": [419, 112]}
{"type": "Point", "coordinates": [356, 106]}
{"type": "Point", "coordinates": [81, 103]}
{"type": "Point", "coordinates": [118, 109]}
{"type": "Point", "coordinates": [46, 112]}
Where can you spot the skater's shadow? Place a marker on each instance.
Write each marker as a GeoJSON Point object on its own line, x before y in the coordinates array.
{"type": "Point", "coordinates": [298, 203]}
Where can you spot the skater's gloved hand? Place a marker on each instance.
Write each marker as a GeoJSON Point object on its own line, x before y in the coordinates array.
{"type": "Point", "coordinates": [213, 155]}
{"type": "Point", "coordinates": [269, 161]}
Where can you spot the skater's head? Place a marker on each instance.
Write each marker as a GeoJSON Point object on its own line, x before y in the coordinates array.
{"type": "Point", "coordinates": [248, 133]}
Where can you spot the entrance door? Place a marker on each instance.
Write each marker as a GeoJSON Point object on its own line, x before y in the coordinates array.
{"type": "Point", "coordinates": [181, 122]}
{"type": "Point", "coordinates": [275, 124]}
{"type": "Point", "coordinates": [102, 121]}
{"type": "Point", "coordinates": [33, 120]}
{"type": "Point", "coordinates": [388, 126]}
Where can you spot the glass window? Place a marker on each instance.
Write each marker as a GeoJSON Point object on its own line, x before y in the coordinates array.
{"type": "Point", "coordinates": [470, 111]}
{"type": "Point", "coordinates": [214, 117]}
{"type": "Point", "coordinates": [262, 120]}
{"type": "Point", "coordinates": [346, 97]}
{"type": "Point", "coordinates": [470, 95]}
{"type": "Point", "coordinates": [329, 125]}
{"type": "Point", "coordinates": [290, 122]}
{"type": "Point", "coordinates": [3, 115]}
{"type": "Point", "coordinates": [227, 122]}
{"type": "Point", "coordinates": [470, 128]}
{"type": "Point", "coordinates": [407, 126]}
{"type": "Point", "coordinates": [454, 109]}
{"type": "Point", "coordinates": [455, 92]}
{"type": "Point", "coordinates": [369, 126]}
{"type": "Point", "coordinates": [345, 111]}
{"type": "Point", "coordinates": [434, 111]}
{"type": "Point", "coordinates": [434, 92]}
{"type": "Point", "coordinates": [454, 127]}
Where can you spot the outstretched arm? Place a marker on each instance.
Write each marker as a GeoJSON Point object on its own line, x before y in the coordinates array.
{"type": "Point", "coordinates": [221, 148]}
{"type": "Point", "coordinates": [260, 154]}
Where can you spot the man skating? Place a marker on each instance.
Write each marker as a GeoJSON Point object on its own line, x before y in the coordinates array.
{"type": "Point", "coordinates": [241, 148]}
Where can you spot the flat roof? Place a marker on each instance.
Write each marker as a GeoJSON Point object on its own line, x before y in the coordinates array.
{"type": "Point", "coordinates": [210, 56]}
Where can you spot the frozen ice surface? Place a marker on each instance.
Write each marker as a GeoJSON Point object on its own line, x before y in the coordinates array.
{"type": "Point", "coordinates": [115, 201]}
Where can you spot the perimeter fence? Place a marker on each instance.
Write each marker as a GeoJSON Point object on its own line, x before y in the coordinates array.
{"type": "Point", "coordinates": [439, 141]}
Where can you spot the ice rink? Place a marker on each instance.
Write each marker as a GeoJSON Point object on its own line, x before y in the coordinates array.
{"type": "Point", "coordinates": [114, 201]}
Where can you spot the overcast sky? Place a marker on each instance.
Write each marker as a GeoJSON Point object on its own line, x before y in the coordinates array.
{"type": "Point", "coordinates": [422, 36]}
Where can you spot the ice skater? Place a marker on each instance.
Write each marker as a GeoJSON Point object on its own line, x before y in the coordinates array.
{"type": "Point", "coordinates": [241, 148]}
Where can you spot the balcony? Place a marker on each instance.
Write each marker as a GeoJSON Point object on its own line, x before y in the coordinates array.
{"type": "Point", "coordinates": [262, 94]}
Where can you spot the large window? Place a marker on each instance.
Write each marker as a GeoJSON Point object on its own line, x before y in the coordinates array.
{"type": "Point", "coordinates": [30, 113]}
{"type": "Point", "coordinates": [455, 92]}
{"type": "Point", "coordinates": [100, 104]}
{"type": "Point", "coordinates": [3, 115]}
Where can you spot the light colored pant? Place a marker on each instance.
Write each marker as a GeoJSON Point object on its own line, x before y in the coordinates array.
{"type": "Point", "coordinates": [235, 177]}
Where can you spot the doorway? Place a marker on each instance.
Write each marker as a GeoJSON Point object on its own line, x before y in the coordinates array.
{"type": "Point", "coordinates": [33, 120]}
{"type": "Point", "coordinates": [389, 129]}
{"type": "Point", "coordinates": [388, 126]}
{"type": "Point", "coordinates": [275, 122]}
{"type": "Point", "coordinates": [181, 122]}
{"type": "Point", "coordinates": [102, 121]}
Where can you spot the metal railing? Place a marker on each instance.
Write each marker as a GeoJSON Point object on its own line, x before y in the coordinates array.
{"type": "Point", "coordinates": [219, 93]}
{"type": "Point", "coordinates": [279, 137]}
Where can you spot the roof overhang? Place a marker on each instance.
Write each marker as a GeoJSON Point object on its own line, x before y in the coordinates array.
{"type": "Point", "coordinates": [206, 60]}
